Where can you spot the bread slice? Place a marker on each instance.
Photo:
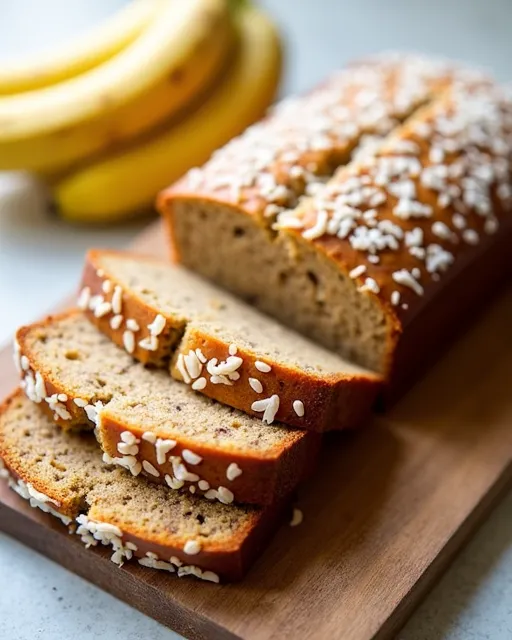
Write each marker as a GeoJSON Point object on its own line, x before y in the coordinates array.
{"type": "Point", "coordinates": [62, 473]}
{"type": "Point", "coordinates": [163, 314]}
{"type": "Point", "coordinates": [152, 424]}
{"type": "Point", "coordinates": [366, 264]}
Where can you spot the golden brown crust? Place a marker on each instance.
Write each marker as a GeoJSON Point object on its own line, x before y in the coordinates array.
{"type": "Point", "coordinates": [267, 474]}
{"type": "Point", "coordinates": [316, 135]}
{"type": "Point", "coordinates": [228, 558]}
{"type": "Point", "coordinates": [324, 396]}
{"type": "Point", "coordinates": [69, 416]}
{"type": "Point", "coordinates": [263, 479]}
{"type": "Point", "coordinates": [132, 307]}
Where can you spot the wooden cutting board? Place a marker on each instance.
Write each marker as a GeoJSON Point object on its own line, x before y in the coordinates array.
{"type": "Point", "coordinates": [388, 509]}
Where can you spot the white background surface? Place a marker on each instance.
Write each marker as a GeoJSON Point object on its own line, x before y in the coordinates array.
{"type": "Point", "coordinates": [40, 260]}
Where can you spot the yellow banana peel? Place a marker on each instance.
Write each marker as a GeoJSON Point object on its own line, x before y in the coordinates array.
{"type": "Point", "coordinates": [80, 54]}
{"type": "Point", "coordinates": [177, 55]}
{"type": "Point", "coordinates": [124, 183]}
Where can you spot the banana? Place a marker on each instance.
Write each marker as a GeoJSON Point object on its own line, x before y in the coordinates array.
{"type": "Point", "coordinates": [50, 129]}
{"type": "Point", "coordinates": [83, 53]}
{"type": "Point", "coordinates": [125, 183]}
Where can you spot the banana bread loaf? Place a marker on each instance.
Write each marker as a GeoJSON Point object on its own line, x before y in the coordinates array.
{"type": "Point", "coordinates": [233, 201]}
{"type": "Point", "coordinates": [383, 263]}
{"type": "Point", "coordinates": [62, 474]}
{"type": "Point", "coordinates": [149, 423]}
{"type": "Point", "coordinates": [220, 346]}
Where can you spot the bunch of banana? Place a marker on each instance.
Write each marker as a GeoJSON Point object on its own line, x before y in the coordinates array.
{"type": "Point", "coordinates": [123, 121]}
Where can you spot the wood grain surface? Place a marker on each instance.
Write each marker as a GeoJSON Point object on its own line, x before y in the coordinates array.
{"type": "Point", "coordinates": [387, 510]}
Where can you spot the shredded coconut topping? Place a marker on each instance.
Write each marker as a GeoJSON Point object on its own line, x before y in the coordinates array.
{"type": "Point", "coordinates": [290, 153]}
{"type": "Point", "coordinates": [157, 326]}
{"type": "Point", "coordinates": [116, 322]}
{"type": "Point", "coordinates": [117, 300]}
{"type": "Point", "coordinates": [357, 271]}
{"type": "Point", "coordinates": [269, 407]}
{"type": "Point", "coordinates": [152, 561]}
{"type": "Point", "coordinates": [406, 279]}
{"type": "Point", "coordinates": [298, 407]}
{"type": "Point", "coordinates": [262, 366]}
{"type": "Point", "coordinates": [162, 448]}
{"type": "Point", "coordinates": [297, 518]}
{"type": "Point", "coordinates": [224, 495]}
{"type": "Point", "coordinates": [191, 457]}
{"type": "Point", "coordinates": [92, 532]}
{"type": "Point", "coordinates": [132, 325]}
{"type": "Point", "coordinates": [93, 411]}
{"type": "Point", "coordinates": [256, 385]}
{"type": "Point", "coordinates": [180, 364]}
{"type": "Point", "coordinates": [192, 547]}
{"type": "Point", "coordinates": [458, 153]}
{"type": "Point", "coordinates": [36, 499]}
{"type": "Point", "coordinates": [233, 471]}
{"type": "Point", "coordinates": [370, 285]}
{"type": "Point", "coordinates": [84, 298]}
{"type": "Point", "coordinates": [199, 384]}
{"type": "Point", "coordinates": [129, 341]}
{"type": "Point", "coordinates": [151, 469]}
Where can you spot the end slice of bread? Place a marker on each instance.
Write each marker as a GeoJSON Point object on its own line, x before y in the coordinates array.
{"type": "Point", "coordinates": [223, 348]}
{"type": "Point", "coordinates": [62, 473]}
{"type": "Point", "coordinates": [151, 424]}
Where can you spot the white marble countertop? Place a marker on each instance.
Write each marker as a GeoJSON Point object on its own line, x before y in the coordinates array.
{"type": "Point", "coordinates": [40, 260]}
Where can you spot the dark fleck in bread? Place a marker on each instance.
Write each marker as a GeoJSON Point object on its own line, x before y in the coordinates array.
{"type": "Point", "coordinates": [62, 473]}
{"type": "Point", "coordinates": [148, 422]}
{"type": "Point", "coordinates": [220, 346]}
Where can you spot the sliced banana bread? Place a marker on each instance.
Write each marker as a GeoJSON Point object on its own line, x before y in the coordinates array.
{"type": "Point", "coordinates": [62, 474]}
{"type": "Point", "coordinates": [384, 262]}
{"type": "Point", "coordinates": [220, 346]}
{"type": "Point", "coordinates": [151, 424]}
